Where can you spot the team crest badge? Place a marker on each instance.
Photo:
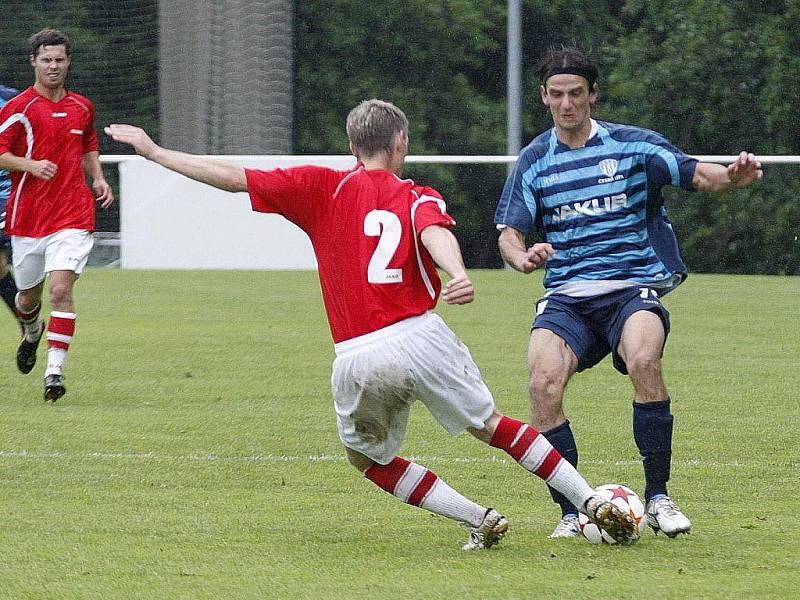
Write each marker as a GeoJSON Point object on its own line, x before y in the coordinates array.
{"type": "Point", "coordinates": [609, 166]}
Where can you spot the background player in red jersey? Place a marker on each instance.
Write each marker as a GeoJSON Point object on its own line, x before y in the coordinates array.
{"type": "Point", "coordinates": [378, 239]}
{"type": "Point", "coordinates": [48, 143]}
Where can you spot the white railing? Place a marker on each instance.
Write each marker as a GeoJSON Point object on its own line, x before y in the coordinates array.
{"type": "Point", "coordinates": [110, 247]}
{"type": "Point", "coordinates": [467, 159]}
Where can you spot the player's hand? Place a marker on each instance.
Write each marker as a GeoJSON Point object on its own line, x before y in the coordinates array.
{"type": "Point", "coordinates": [744, 170]}
{"type": "Point", "coordinates": [459, 290]}
{"type": "Point", "coordinates": [535, 257]}
{"type": "Point", "coordinates": [135, 136]}
{"type": "Point", "coordinates": [43, 169]}
{"type": "Point", "coordinates": [103, 192]}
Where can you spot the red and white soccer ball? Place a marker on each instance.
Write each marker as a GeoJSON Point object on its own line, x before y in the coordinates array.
{"type": "Point", "coordinates": [625, 499]}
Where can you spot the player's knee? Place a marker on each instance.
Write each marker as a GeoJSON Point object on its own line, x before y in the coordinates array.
{"type": "Point", "coordinates": [358, 460]}
{"type": "Point", "coordinates": [61, 295]}
{"type": "Point", "coordinates": [546, 386]}
{"type": "Point", "coordinates": [643, 363]}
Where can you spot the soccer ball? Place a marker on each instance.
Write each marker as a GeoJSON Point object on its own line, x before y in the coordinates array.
{"type": "Point", "coordinates": [625, 499]}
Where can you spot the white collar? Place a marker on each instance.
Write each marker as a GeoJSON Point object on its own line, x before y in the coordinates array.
{"type": "Point", "coordinates": [593, 131]}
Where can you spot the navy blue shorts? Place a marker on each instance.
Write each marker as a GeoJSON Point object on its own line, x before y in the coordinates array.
{"type": "Point", "coordinates": [592, 327]}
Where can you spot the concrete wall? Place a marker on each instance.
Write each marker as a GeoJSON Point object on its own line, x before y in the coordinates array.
{"type": "Point", "coordinates": [170, 222]}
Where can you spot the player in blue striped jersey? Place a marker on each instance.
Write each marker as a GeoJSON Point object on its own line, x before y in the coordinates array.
{"type": "Point", "coordinates": [592, 191]}
{"type": "Point", "coordinates": [8, 288]}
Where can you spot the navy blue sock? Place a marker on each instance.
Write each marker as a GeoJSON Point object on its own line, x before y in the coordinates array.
{"type": "Point", "coordinates": [8, 291]}
{"type": "Point", "coordinates": [562, 440]}
{"type": "Point", "coordinates": [652, 431]}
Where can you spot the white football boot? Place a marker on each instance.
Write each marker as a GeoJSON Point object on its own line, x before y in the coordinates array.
{"type": "Point", "coordinates": [567, 527]}
{"type": "Point", "coordinates": [488, 533]}
{"type": "Point", "coordinates": [664, 515]}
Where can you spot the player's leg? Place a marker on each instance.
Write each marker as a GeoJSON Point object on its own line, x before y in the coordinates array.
{"type": "Point", "coordinates": [534, 453]}
{"type": "Point", "coordinates": [8, 288]}
{"type": "Point", "coordinates": [418, 486]}
{"type": "Point", "coordinates": [640, 348]}
{"type": "Point", "coordinates": [551, 363]}
{"type": "Point", "coordinates": [28, 305]}
{"type": "Point", "coordinates": [29, 276]}
{"type": "Point", "coordinates": [66, 254]}
{"type": "Point", "coordinates": [60, 330]}
{"type": "Point", "coordinates": [449, 383]}
{"type": "Point", "coordinates": [374, 384]}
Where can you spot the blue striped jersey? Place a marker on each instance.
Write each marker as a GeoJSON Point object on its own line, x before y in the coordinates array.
{"type": "Point", "coordinates": [600, 206]}
{"type": "Point", "coordinates": [5, 184]}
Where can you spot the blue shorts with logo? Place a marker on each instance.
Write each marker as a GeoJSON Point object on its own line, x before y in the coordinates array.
{"type": "Point", "coordinates": [592, 327]}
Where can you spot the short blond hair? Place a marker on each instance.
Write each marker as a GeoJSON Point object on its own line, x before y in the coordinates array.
{"type": "Point", "coordinates": [372, 125]}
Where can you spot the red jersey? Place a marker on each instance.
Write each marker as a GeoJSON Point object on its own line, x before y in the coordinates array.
{"type": "Point", "coordinates": [365, 227]}
{"type": "Point", "coordinates": [61, 132]}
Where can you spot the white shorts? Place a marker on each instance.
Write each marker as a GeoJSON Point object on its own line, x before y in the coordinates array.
{"type": "Point", "coordinates": [377, 377]}
{"type": "Point", "coordinates": [66, 250]}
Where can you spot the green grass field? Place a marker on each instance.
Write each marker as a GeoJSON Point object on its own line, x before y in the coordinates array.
{"type": "Point", "coordinates": [195, 454]}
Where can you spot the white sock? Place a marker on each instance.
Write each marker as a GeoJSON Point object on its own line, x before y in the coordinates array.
{"type": "Point", "coordinates": [444, 500]}
{"type": "Point", "coordinates": [56, 357]}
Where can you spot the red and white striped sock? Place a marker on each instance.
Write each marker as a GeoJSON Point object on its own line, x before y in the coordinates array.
{"type": "Point", "coordinates": [28, 319]}
{"type": "Point", "coordinates": [533, 452]}
{"type": "Point", "coordinates": [60, 330]}
{"type": "Point", "coordinates": [418, 486]}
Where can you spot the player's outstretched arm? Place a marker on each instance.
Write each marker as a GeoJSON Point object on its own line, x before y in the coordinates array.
{"type": "Point", "coordinates": [710, 177]}
{"type": "Point", "coordinates": [445, 251]}
{"type": "Point", "coordinates": [518, 255]}
{"type": "Point", "coordinates": [218, 173]}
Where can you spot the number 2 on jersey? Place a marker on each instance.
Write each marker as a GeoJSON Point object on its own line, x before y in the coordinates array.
{"type": "Point", "coordinates": [386, 225]}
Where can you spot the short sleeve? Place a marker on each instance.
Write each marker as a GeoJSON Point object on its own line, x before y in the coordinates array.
{"type": "Point", "coordinates": [90, 143]}
{"type": "Point", "coordinates": [430, 209]}
{"type": "Point", "coordinates": [298, 193]}
{"type": "Point", "coordinates": [512, 209]}
{"type": "Point", "coordinates": [667, 165]}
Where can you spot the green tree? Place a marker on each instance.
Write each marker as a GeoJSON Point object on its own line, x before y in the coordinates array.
{"type": "Point", "coordinates": [714, 77]}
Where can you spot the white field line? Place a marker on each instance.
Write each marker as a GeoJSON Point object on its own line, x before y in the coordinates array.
{"type": "Point", "coordinates": [310, 458]}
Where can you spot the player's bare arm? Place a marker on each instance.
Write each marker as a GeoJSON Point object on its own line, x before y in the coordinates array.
{"type": "Point", "coordinates": [217, 173]}
{"type": "Point", "coordinates": [516, 253]}
{"type": "Point", "coordinates": [446, 252]}
{"type": "Point", "coordinates": [42, 169]}
{"type": "Point", "coordinates": [100, 187]}
{"type": "Point", "coordinates": [710, 177]}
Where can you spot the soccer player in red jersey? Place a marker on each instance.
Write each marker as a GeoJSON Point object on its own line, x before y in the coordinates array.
{"type": "Point", "coordinates": [378, 239]}
{"type": "Point", "coordinates": [48, 143]}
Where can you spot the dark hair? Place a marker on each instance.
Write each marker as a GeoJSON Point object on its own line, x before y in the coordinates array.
{"type": "Point", "coordinates": [567, 60]}
{"type": "Point", "coordinates": [48, 37]}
